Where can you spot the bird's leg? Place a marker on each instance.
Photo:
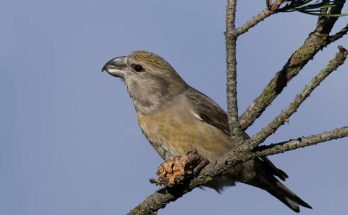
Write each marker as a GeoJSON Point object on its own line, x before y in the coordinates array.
{"type": "Point", "coordinates": [179, 169]}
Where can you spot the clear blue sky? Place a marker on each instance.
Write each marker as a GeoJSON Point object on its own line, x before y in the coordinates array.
{"type": "Point", "coordinates": [69, 140]}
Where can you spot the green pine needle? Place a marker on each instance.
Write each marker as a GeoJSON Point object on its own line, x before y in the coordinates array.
{"type": "Point", "coordinates": [311, 7]}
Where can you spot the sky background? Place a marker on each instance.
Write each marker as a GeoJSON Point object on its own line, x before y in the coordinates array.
{"type": "Point", "coordinates": [69, 140]}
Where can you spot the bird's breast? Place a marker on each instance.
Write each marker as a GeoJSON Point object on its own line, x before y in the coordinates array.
{"type": "Point", "coordinates": [176, 131]}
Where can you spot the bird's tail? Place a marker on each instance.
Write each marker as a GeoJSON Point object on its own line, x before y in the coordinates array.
{"type": "Point", "coordinates": [284, 194]}
{"type": "Point", "coordinates": [265, 178]}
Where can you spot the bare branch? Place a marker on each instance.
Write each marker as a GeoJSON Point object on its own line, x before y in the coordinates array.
{"type": "Point", "coordinates": [339, 34]}
{"type": "Point", "coordinates": [334, 63]}
{"type": "Point", "coordinates": [251, 23]}
{"type": "Point", "coordinates": [162, 197]}
{"type": "Point", "coordinates": [231, 86]}
{"type": "Point", "coordinates": [316, 41]}
{"type": "Point", "coordinates": [301, 142]}
{"type": "Point", "coordinates": [272, 9]}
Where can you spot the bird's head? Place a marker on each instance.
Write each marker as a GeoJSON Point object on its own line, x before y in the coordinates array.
{"type": "Point", "coordinates": [151, 81]}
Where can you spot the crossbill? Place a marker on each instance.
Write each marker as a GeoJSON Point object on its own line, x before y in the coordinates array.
{"type": "Point", "coordinates": [176, 119]}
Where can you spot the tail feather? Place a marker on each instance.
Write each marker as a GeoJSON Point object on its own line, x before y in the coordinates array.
{"type": "Point", "coordinates": [285, 195]}
{"type": "Point", "coordinates": [264, 177]}
{"type": "Point", "coordinates": [270, 168]}
{"type": "Point", "coordinates": [263, 174]}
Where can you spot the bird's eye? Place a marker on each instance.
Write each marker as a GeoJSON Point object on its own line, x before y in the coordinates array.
{"type": "Point", "coordinates": [138, 68]}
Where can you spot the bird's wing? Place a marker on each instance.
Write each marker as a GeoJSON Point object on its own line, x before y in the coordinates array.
{"type": "Point", "coordinates": [211, 113]}
{"type": "Point", "coordinates": [207, 110]}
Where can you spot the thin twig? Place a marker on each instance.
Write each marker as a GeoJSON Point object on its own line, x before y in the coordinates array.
{"type": "Point", "coordinates": [301, 142]}
{"type": "Point", "coordinates": [251, 23]}
{"type": "Point", "coordinates": [231, 73]}
{"type": "Point", "coordinates": [272, 9]}
{"type": "Point", "coordinates": [334, 63]}
{"type": "Point", "coordinates": [316, 41]}
{"type": "Point", "coordinates": [339, 34]}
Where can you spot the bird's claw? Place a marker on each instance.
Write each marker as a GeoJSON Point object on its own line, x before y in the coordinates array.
{"type": "Point", "coordinates": [196, 162]}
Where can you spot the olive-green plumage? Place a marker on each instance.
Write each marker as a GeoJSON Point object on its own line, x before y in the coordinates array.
{"type": "Point", "coordinates": [176, 119]}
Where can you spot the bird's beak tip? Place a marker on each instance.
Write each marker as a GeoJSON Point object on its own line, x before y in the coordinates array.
{"type": "Point", "coordinates": [104, 68]}
{"type": "Point", "coordinates": [116, 66]}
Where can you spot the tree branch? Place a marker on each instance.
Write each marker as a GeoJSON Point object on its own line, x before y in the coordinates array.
{"type": "Point", "coordinates": [301, 142]}
{"type": "Point", "coordinates": [326, 23]}
{"type": "Point", "coordinates": [162, 197]}
{"type": "Point", "coordinates": [272, 127]}
{"type": "Point", "coordinates": [231, 73]}
{"type": "Point", "coordinates": [272, 9]}
{"type": "Point", "coordinates": [316, 41]}
{"type": "Point", "coordinates": [339, 34]}
{"type": "Point", "coordinates": [251, 23]}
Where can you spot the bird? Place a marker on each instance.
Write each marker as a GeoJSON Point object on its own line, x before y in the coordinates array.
{"type": "Point", "coordinates": [176, 119]}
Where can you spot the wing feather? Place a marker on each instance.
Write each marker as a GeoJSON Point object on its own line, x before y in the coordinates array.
{"type": "Point", "coordinates": [208, 110]}
{"type": "Point", "coordinates": [211, 113]}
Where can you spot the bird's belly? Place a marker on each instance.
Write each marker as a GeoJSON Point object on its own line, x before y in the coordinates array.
{"type": "Point", "coordinates": [172, 133]}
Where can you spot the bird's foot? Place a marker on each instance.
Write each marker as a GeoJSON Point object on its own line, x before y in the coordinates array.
{"type": "Point", "coordinates": [196, 162]}
{"type": "Point", "coordinates": [180, 169]}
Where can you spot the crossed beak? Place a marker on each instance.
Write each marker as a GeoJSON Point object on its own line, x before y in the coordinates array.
{"type": "Point", "coordinates": [116, 67]}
